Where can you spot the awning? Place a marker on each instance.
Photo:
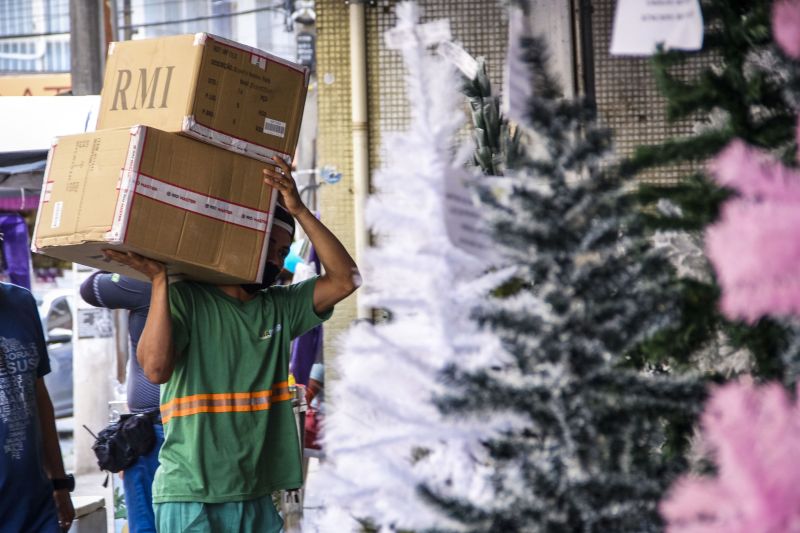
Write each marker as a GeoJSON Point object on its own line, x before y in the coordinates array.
{"type": "Point", "coordinates": [32, 122]}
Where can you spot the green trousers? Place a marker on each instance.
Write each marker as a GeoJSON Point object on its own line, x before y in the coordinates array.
{"type": "Point", "coordinates": [250, 516]}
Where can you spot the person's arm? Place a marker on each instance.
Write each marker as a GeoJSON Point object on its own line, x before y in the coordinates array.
{"type": "Point", "coordinates": [312, 389]}
{"type": "Point", "coordinates": [87, 291]}
{"type": "Point", "coordinates": [114, 291]}
{"type": "Point", "coordinates": [53, 463]}
{"type": "Point", "coordinates": [155, 353]}
{"type": "Point", "coordinates": [341, 275]}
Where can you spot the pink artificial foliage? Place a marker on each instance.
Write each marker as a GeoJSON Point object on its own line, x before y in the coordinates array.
{"type": "Point", "coordinates": [786, 26]}
{"type": "Point", "coordinates": [755, 434]}
{"type": "Point", "coordinates": [755, 246]}
{"type": "Point", "coordinates": [786, 30]}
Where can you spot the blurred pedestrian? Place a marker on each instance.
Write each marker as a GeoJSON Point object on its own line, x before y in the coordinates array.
{"type": "Point", "coordinates": [34, 489]}
{"type": "Point", "coordinates": [222, 352]}
{"type": "Point", "coordinates": [315, 398]}
{"type": "Point", "coordinates": [114, 291]}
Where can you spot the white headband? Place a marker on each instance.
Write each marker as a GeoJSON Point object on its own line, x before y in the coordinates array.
{"type": "Point", "coordinates": [282, 224]}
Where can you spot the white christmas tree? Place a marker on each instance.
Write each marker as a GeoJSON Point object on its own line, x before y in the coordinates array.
{"type": "Point", "coordinates": [384, 435]}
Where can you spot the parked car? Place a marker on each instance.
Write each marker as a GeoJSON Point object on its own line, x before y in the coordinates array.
{"type": "Point", "coordinates": [57, 312]}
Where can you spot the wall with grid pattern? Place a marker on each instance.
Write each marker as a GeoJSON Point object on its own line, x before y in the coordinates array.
{"type": "Point", "coordinates": [335, 142]}
{"type": "Point", "coordinates": [480, 26]}
{"type": "Point", "coordinates": [628, 100]}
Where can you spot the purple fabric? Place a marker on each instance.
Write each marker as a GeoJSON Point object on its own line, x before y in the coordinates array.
{"type": "Point", "coordinates": [307, 348]}
{"type": "Point", "coordinates": [16, 249]}
{"type": "Point", "coordinates": [19, 202]}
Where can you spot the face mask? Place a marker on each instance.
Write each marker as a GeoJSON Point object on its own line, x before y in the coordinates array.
{"type": "Point", "coordinates": [271, 271]}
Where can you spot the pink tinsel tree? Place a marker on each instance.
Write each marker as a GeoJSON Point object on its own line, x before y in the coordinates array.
{"type": "Point", "coordinates": [786, 30]}
{"type": "Point", "coordinates": [786, 26]}
{"type": "Point", "coordinates": [755, 435]}
{"type": "Point", "coordinates": [753, 432]}
{"type": "Point", "coordinates": [755, 246]}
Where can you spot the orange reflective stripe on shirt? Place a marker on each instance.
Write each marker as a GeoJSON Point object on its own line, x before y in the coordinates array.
{"type": "Point", "coordinates": [227, 402]}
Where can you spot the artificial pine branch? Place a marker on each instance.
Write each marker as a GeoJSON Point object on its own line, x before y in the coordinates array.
{"type": "Point", "coordinates": [702, 198]}
{"type": "Point", "coordinates": [386, 435]}
{"type": "Point", "coordinates": [757, 104]}
{"type": "Point", "coordinates": [585, 454]}
{"type": "Point", "coordinates": [496, 142]}
{"type": "Point", "coordinates": [679, 150]}
{"type": "Point", "coordinates": [752, 97]}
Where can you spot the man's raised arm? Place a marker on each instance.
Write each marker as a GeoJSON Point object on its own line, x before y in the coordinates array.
{"type": "Point", "coordinates": [341, 277]}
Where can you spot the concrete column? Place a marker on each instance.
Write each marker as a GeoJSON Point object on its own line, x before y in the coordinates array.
{"type": "Point", "coordinates": [554, 22]}
{"type": "Point", "coordinates": [94, 369]}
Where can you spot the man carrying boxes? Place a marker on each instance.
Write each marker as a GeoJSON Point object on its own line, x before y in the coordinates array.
{"type": "Point", "coordinates": [222, 352]}
{"type": "Point", "coordinates": [144, 198]}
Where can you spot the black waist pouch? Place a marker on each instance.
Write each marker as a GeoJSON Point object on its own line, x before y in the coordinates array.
{"type": "Point", "coordinates": [119, 445]}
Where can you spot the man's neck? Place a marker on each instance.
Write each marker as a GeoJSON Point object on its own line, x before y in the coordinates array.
{"type": "Point", "coordinates": [236, 291]}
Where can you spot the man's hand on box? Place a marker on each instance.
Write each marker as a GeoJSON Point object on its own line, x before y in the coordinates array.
{"type": "Point", "coordinates": [148, 267]}
{"type": "Point", "coordinates": [280, 177]}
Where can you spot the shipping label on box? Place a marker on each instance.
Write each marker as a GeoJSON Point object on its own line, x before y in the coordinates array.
{"type": "Point", "coordinates": [204, 211]}
{"type": "Point", "coordinates": [209, 88]}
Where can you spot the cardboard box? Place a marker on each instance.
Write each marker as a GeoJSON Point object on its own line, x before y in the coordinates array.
{"type": "Point", "coordinates": [204, 211]}
{"type": "Point", "coordinates": [209, 88]}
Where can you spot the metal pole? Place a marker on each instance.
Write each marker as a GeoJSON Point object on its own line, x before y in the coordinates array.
{"type": "Point", "coordinates": [358, 80]}
{"type": "Point", "coordinates": [127, 20]}
{"type": "Point", "coordinates": [86, 46]}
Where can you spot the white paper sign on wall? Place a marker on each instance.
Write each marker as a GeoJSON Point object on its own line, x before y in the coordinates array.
{"type": "Point", "coordinates": [641, 25]}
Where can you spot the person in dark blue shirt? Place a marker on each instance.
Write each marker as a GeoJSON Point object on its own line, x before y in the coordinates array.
{"type": "Point", "coordinates": [113, 291]}
{"type": "Point", "coordinates": [34, 489]}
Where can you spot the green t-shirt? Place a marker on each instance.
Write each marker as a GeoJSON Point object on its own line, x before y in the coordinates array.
{"type": "Point", "coordinates": [229, 429]}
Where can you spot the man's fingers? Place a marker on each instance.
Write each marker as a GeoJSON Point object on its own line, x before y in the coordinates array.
{"type": "Point", "coordinates": [115, 253]}
{"type": "Point", "coordinates": [273, 175]}
{"type": "Point", "coordinates": [281, 183]}
{"type": "Point", "coordinates": [131, 259]}
{"type": "Point", "coordinates": [276, 184]}
{"type": "Point", "coordinates": [115, 256]}
{"type": "Point", "coordinates": [284, 166]}
{"type": "Point", "coordinates": [119, 257]}
{"type": "Point", "coordinates": [277, 176]}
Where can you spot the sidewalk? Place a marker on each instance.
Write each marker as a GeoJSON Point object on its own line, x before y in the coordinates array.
{"type": "Point", "coordinates": [88, 486]}
{"type": "Point", "coordinates": [312, 503]}
{"type": "Point", "coordinates": [88, 490]}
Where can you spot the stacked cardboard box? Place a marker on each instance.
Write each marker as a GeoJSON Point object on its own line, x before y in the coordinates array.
{"type": "Point", "coordinates": [174, 170]}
